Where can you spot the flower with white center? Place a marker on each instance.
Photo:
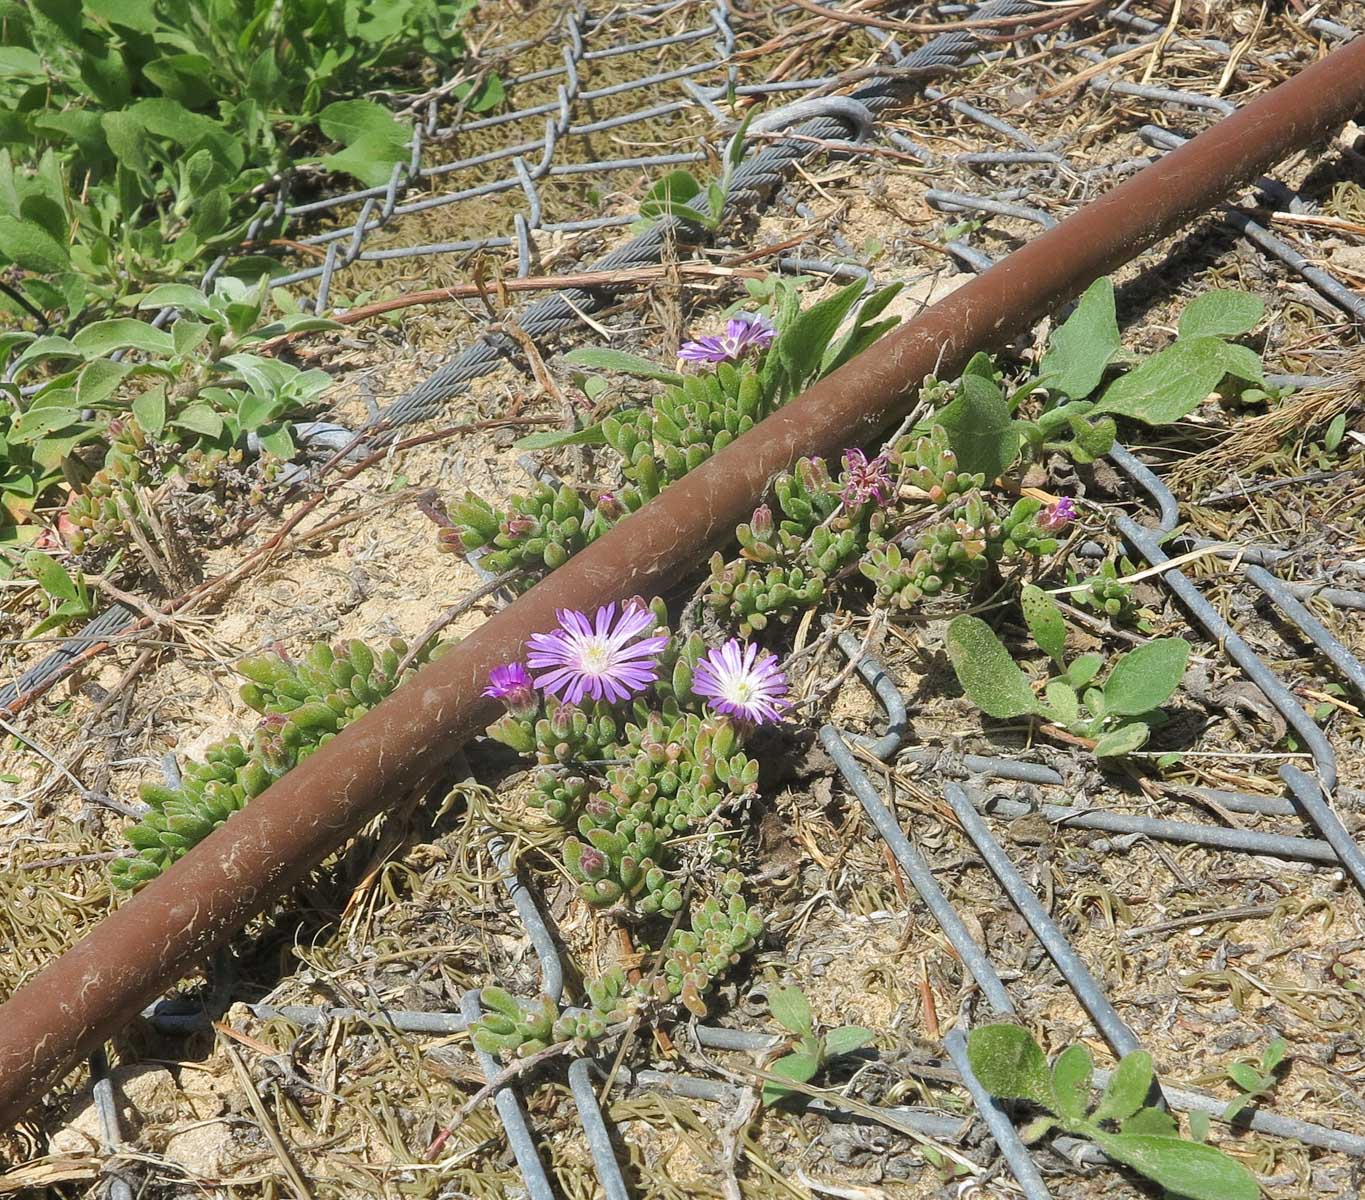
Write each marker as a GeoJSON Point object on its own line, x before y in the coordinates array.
{"type": "Point", "coordinates": [742, 682]}
{"type": "Point", "coordinates": [743, 332]}
{"type": "Point", "coordinates": [601, 659]}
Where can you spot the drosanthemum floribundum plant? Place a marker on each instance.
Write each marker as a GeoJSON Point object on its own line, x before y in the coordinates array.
{"type": "Point", "coordinates": [601, 659]}
{"type": "Point", "coordinates": [742, 682]}
{"type": "Point", "coordinates": [865, 479]}
{"type": "Point", "coordinates": [743, 332]}
{"type": "Point", "coordinates": [1058, 516]}
{"type": "Point", "coordinates": [511, 683]}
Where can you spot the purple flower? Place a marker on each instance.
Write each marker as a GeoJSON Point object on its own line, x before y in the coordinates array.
{"type": "Point", "coordinates": [744, 332]}
{"type": "Point", "coordinates": [511, 684]}
{"type": "Point", "coordinates": [743, 683]}
{"type": "Point", "coordinates": [600, 658]}
{"type": "Point", "coordinates": [1058, 516]}
{"type": "Point", "coordinates": [865, 480]}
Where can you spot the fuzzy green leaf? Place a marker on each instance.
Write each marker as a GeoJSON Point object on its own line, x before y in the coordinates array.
{"type": "Point", "coordinates": [791, 1009]}
{"type": "Point", "coordinates": [798, 1067]}
{"type": "Point", "coordinates": [28, 246]}
{"type": "Point", "coordinates": [122, 333]}
{"type": "Point", "coordinates": [1188, 1169]}
{"type": "Point", "coordinates": [986, 671]}
{"type": "Point", "coordinates": [1151, 1120]}
{"type": "Point", "coordinates": [1083, 669]}
{"type": "Point", "coordinates": [1084, 345]}
{"type": "Point", "coordinates": [846, 1039]}
{"type": "Point", "coordinates": [1127, 1089]}
{"type": "Point", "coordinates": [1044, 620]}
{"type": "Point", "coordinates": [1245, 1077]}
{"type": "Point", "coordinates": [1123, 740]}
{"type": "Point", "coordinates": [1071, 1075]}
{"type": "Point", "coordinates": [1145, 678]}
{"type": "Point", "coordinates": [1063, 701]}
{"type": "Point", "coordinates": [1010, 1064]}
{"type": "Point", "coordinates": [1221, 313]}
{"type": "Point", "coordinates": [1170, 385]}
{"type": "Point", "coordinates": [550, 438]}
{"type": "Point", "coordinates": [603, 358]}
{"type": "Point", "coordinates": [980, 429]}
{"type": "Point", "coordinates": [50, 575]}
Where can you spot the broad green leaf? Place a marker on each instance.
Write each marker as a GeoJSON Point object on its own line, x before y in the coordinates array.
{"type": "Point", "coordinates": [1188, 1169]}
{"type": "Point", "coordinates": [864, 330]}
{"type": "Point", "coordinates": [986, 671]}
{"type": "Point", "coordinates": [99, 381]}
{"type": "Point", "coordinates": [18, 62]}
{"type": "Point", "coordinates": [1044, 620]}
{"type": "Point", "coordinates": [980, 429]}
{"type": "Point", "coordinates": [1153, 1120]}
{"type": "Point", "coordinates": [1071, 1075]}
{"type": "Point", "coordinates": [175, 295]}
{"type": "Point", "coordinates": [486, 97]}
{"type": "Point", "coordinates": [1199, 1126]}
{"type": "Point", "coordinates": [188, 335]}
{"type": "Point", "coordinates": [45, 348]}
{"type": "Point", "coordinates": [550, 438]}
{"type": "Point", "coordinates": [50, 575]}
{"type": "Point", "coordinates": [254, 410]}
{"type": "Point", "coordinates": [1274, 1054]}
{"type": "Point", "coordinates": [200, 418]}
{"type": "Point", "coordinates": [790, 1009]}
{"type": "Point", "coordinates": [1245, 1077]}
{"type": "Point", "coordinates": [1123, 740]}
{"type": "Point", "coordinates": [602, 358]}
{"type": "Point", "coordinates": [150, 410]}
{"type": "Point", "coordinates": [846, 1039]}
{"type": "Point", "coordinates": [1062, 699]}
{"type": "Point", "coordinates": [1084, 344]}
{"type": "Point", "coordinates": [186, 78]}
{"type": "Point", "coordinates": [1145, 678]}
{"type": "Point", "coordinates": [31, 247]}
{"type": "Point", "coordinates": [677, 187]}
{"type": "Point", "coordinates": [1221, 313]}
{"type": "Point", "coordinates": [1335, 432]}
{"type": "Point", "coordinates": [138, 15]}
{"type": "Point", "coordinates": [370, 159]}
{"type": "Point", "coordinates": [1127, 1089]}
{"type": "Point", "coordinates": [1170, 385]}
{"type": "Point", "coordinates": [800, 345]}
{"type": "Point", "coordinates": [349, 121]}
{"type": "Point", "coordinates": [122, 333]}
{"type": "Point", "coordinates": [1083, 669]}
{"type": "Point", "coordinates": [1010, 1064]}
{"type": "Point", "coordinates": [48, 452]}
{"type": "Point", "coordinates": [77, 126]}
{"type": "Point", "coordinates": [278, 441]}
{"type": "Point", "coordinates": [1242, 362]}
{"type": "Point", "coordinates": [38, 422]}
{"type": "Point", "coordinates": [798, 1067]}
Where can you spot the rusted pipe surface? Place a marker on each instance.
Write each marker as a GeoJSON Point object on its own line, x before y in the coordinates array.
{"type": "Point", "coordinates": [161, 933]}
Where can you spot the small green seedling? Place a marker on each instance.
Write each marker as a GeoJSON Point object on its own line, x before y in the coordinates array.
{"type": "Point", "coordinates": [70, 598]}
{"type": "Point", "coordinates": [1011, 1065]}
{"type": "Point", "coordinates": [1256, 1080]}
{"type": "Point", "coordinates": [1119, 714]}
{"type": "Point", "coordinates": [791, 1010]}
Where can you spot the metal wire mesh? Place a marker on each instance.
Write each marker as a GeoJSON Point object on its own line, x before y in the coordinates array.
{"type": "Point", "coordinates": [534, 161]}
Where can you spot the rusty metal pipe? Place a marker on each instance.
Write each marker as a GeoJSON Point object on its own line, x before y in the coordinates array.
{"type": "Point", "coordinates": [153, 939]}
